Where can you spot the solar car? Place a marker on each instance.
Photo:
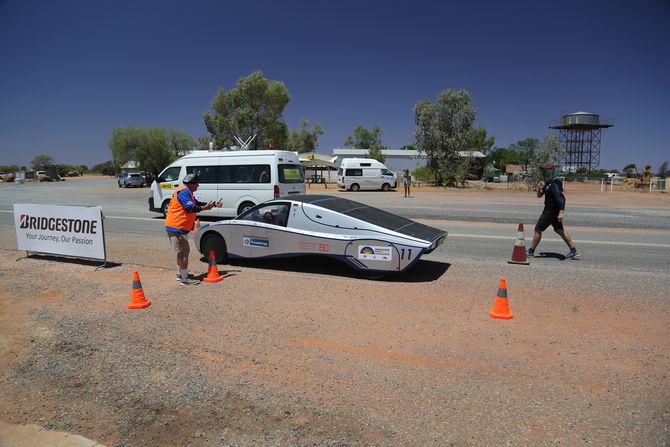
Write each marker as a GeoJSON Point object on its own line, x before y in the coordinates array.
{"type": "Point", "coordinates": [365, 238]}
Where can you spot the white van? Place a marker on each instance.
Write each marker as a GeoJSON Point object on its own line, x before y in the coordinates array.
{"type": "Point", "coordinates": [364, 173]}
{"type": "Point", "coordinates": [243, 179]}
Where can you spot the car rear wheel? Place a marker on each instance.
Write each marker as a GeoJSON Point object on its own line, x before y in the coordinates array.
{"type": "Point", "coordinates": [386, 187]}
{"type": "Point", "coordinates": [214, 242]}
{"type": "Point", "coordinates": [244, 207]}
{"type": "Point", "coordinates": [354, 187]}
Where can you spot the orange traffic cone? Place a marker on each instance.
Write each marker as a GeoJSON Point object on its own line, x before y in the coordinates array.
{"type": "Point", "coordinates": [137, 299]}
{"type": "Point", "coordinates": [213, 271]}
{"type": "Point", "coordinates": [519, 253]}
{"type": "Point", "coordinates": [501, 307]}
{"type": "Point", "coordinates": [197, 226]}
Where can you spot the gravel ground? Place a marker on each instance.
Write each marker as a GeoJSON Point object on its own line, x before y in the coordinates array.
{"type": "Point", "coordinates": [262, 359]}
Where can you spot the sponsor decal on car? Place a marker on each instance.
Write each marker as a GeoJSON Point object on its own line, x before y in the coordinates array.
{"type": "Point", "coordinates": [252, 241]}
{"type": "Point", "coordinates": [166, 185]}
{"type": "Point", "coordinates": [375, 253]}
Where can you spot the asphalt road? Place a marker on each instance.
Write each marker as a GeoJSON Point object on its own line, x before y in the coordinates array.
{"type": "Point", "coordinates": [482, 230]}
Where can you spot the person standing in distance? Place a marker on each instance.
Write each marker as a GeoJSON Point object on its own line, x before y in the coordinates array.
{"type": "Point", "coordinates": [180, 220]}
{"type": "Point", "coordinates": [554, 207]}
{"type": "Point", "coordinates": [407, 181]}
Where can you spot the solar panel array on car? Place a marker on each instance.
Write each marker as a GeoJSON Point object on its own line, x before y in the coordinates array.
{"type": "Point", "coordinates": [372, 215]}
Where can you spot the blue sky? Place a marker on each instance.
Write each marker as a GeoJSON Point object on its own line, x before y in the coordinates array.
{"type": "Point", "coordinates": [70, 71]}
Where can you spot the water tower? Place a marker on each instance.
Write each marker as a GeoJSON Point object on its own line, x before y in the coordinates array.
{"type": "Point", "coordinates": [579, 136]}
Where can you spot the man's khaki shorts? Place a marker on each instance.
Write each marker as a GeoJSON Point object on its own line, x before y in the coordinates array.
{"type": "Point", "coordinates": [179, 243]}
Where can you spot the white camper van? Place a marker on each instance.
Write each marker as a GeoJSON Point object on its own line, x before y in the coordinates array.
{"type": "Point", "coordinates": [364, 173]}
{"type": "Point", "coordinates": [243, 179]}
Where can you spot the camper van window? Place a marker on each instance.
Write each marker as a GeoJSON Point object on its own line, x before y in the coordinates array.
{"type": "Point", "coordinates": [366, 165]}
{"type": "Point", "coordinates": [291, 174]}
{"type": "Point", "coordinates": [206, 174]}
{"type": "Point", "coordinates": [386, 172]}
{"type": "Point", "coordinates": [169, 175]}
{"type": "Point", "coordinates": [355, 172]}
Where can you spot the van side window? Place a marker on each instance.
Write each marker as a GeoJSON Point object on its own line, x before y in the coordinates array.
{"type": "Point", "coordinates": [386, 172]}
{"type": "Point", "coordinates": [366, 165]}
{"type": "Point", "coordinates": [206, 174]}
{"type": "Point", "coordinates": [355, 172]}
{"type": "Point", "coordinates": [244, 174]}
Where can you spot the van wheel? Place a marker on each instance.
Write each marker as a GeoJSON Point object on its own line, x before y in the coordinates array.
{"type": "Point", "coordinates": [165, 207]}
{"type": "Point", "coordinates": [386, 187]}
{"type": "Point", "coordinates": [214, 242]}
{"type": "Point", "coordinates": [244, 207]}
{"type": "Point", "coordinates": [354, 187]}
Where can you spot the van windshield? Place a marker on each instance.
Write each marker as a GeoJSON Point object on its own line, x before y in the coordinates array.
{"type": "Point", "coordinates": [291, 173]}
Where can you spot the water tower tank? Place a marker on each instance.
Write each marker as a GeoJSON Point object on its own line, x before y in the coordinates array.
{"type": "Point", "coordinates": [581, 119]}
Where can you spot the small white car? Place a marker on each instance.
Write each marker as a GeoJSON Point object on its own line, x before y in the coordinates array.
{"type": "Point", "coordinates": [130, 179]}
{"type": "Point", "coordinates": [372, 241]}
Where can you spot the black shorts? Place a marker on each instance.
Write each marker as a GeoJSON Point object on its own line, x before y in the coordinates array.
{"type": "Point", "coordinates": [549, 217]}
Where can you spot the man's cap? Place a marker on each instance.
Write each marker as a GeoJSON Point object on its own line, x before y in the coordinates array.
{"type": "Point", "coordinates": [190, 179]}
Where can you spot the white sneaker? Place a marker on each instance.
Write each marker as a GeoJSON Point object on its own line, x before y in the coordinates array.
{"type": "Point", "coordinates": [190, 282]}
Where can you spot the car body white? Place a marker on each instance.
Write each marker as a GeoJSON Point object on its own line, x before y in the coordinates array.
{"type": "Point", "coordinates": [367, 239]}
{"type": "Point", "coordinates": [239, 178]}
{"type": "Point", "coordinates": [356, 174]}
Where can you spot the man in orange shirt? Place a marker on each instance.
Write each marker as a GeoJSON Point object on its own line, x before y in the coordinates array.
{"type": "Point", "coordinates": [180, 221]}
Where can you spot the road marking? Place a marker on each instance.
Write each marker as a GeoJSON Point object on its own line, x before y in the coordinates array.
{"type": "Point", "coordinates": [150, 219]}
{"type": "Point", "coordinates": [462, 235]}
{"type": "Point", "coordinates": [576, 241]}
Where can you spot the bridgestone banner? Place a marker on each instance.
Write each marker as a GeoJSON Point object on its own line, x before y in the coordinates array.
{"type": "Point", "coordinates": [64, 230]}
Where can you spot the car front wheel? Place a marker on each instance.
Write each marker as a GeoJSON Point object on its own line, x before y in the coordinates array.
{"type": "Point", "coordinates": [214, 243]}
{"type": "Point", "coordinates": [355, 187]}
{"type": "Point", "coordinates": [386, 187]}
{"type": "Point", "coordinates": [165, 207]}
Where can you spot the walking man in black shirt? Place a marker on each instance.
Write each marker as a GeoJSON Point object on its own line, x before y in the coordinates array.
{"type": "Point", "coordinates": [554, 205]}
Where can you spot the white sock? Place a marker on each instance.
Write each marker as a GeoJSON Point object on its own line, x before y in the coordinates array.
{"type": "Point", "coordinates": [183, 273]}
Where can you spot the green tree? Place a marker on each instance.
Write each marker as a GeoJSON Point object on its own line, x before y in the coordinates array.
{"type": "Point", "coordinates": [408, 147]}
{"type": "Point", "coordinates": [375, 151]}
{"type": "Point", "coordinates": [106, 168]}
{"type": "Point", "coordinates": [442, 129]}
{"type": "Point", "coordinates": [503, 156]}
{"type": "Point", "coordinates": [477, 140]}
{"type": "Point", "coordinates": [150, 148]}
{"type": "Point", "coordinates": [203, 142]}
{"type": "Point", "coordinates": [663, 170]}
{"type": "Point", "coordinates": [304, 139]}
{"type": "Point", "coordinates": [526, 150]}
{"type": "Point", "coordinates": [362, 138]}
{"type": "Point", "coordinates": [180, 142]}
{"type": "Point", "coordinates": [253, 107]}
{"type": "Point", "coordinates": [628, 169]}
{"type": "Point", "coordinates": [157, 152]}
{"type": "Point", "coordinates": [548, 150]}
{"type": "Point", "coordinates": [40, 161]}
